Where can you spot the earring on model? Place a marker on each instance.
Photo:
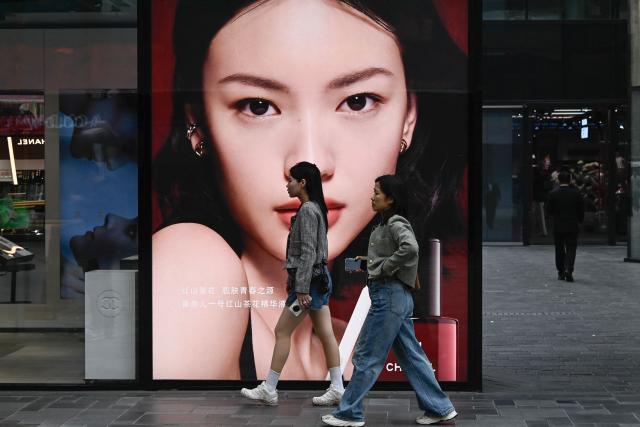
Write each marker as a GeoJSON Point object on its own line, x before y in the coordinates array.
{"type": "Point", "coordinates": [403, 146]}
{"type": "Point", "coordinates": [200, 148]}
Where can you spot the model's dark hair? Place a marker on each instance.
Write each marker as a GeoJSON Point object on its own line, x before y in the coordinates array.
{"type": "Point", "coordinates": [311, 174]}
{"type": "Point", "coordinates": [435, 70]}
{"type": "Point", "coordinates": [564, 176]}
{"type": "Point", "coordinates": [393, 187]}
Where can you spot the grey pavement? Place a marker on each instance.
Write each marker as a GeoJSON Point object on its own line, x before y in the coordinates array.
{"type": "Point", "coordinates": [555, 354]}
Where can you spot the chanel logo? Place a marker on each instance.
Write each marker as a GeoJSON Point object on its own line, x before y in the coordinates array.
{"type": "Point", "coordinates": [109, 303]}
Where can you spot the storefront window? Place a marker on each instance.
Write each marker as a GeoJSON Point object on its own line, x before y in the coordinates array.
{"type": "Point", "coordinates": [502, 158]}
{"type": "Point", "coordinates": [68, 191]}
{"type": "Point", "coordinates": [581, 141]}
{"type": "Point", "coordinates": [554, 9]}
{"type": "Point", "coordinates": [545, 10]}
{"type": "Point", "coordinates": [503, 9]}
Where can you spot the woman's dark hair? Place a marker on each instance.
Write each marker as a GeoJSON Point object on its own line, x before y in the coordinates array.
{"type": "Point", "coordinates": [435, 70]}
{"type": "Point", "coordinates": [311, 174]}
{"type": "Point", "coordinates": [393, 187]}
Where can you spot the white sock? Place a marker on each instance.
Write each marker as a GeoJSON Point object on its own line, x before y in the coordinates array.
{"type": "Point", "coordinates": [272, 380]}
{"type": "Point", "coordinates": [336, 378]}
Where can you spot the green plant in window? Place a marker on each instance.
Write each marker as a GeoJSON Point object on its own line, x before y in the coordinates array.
{"type": "Point", "coordinates": [12, 217]}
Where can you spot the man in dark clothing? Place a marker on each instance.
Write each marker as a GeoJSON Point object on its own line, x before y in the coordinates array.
{"type": "Point", "coordinates": [566, 207]}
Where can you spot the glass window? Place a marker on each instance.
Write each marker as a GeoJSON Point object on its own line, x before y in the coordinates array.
{"type": "Point", "coordinates": [588, 9]}
{"type": "Point", "coordinates": [503, 9]}
{"type": "Point", "coordinates": [545, 10]}
{"type": "Point", "coordinates": [68, 191]}
{"type": "Point", "coordinates": [502, 157]}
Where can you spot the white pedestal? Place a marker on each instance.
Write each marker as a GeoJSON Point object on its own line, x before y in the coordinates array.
{"type": "Point", "coordinates": [110, 324]}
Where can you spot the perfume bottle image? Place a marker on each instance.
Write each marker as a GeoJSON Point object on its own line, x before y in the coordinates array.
{"type": "Point", "coordinates": [437, 335]}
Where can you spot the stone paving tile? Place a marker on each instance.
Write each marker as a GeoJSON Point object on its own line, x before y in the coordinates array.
{"type": "Point", "coordinates": [161, 419]}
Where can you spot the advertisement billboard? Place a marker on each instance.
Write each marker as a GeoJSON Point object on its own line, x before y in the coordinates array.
{"type": "Point", "coordinates": [98, 183]}
{"type": "Point", "coordinates": [360, 89]}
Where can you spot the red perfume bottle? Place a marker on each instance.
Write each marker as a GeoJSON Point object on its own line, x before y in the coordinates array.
{"type": "Point", "coordinates": [437, 335]}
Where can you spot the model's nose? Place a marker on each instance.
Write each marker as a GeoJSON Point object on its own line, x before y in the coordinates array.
{"type": "Point", "coordinates": [311, 144]}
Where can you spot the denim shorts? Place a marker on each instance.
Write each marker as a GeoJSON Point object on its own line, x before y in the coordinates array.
{"type": "Point", "coordinates": [317, 299]}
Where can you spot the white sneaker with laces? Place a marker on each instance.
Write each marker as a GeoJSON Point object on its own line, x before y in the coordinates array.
{"type": "Point", "coordinates": [333, 421]}
{"type": "Point", "coordinates": [330, 398]}
{"type": "Point", "coordinates": [433, 419]}
{"type": "Point", "coordinates": [262, 394]}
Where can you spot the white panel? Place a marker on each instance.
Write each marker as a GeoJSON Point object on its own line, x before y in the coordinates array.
{"type": "Point", "coordinates": [110, 339]}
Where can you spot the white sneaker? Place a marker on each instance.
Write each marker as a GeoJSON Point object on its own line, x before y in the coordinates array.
{"type": "Point", "coordinates": [330, 398]}
{"type": "Point", "coordinates": [262, 394]}
{"type": "Point", "coordinates": [333, 421]}
{"type": "Point", "coordinates": [432, 419]}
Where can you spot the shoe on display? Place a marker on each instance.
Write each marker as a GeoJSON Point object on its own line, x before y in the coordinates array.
{"type": "Point", "coordinates": [333, 421]}
{"type": "Point", "coordinates": [433, 419]}
{"type": "Point", "coordinates": [262, 394]}
{"type": "Point", "coordinates": [330, 398]}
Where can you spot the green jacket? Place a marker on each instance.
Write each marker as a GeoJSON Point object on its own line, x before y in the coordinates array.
{"type": "Point", "coordinates": [393, 251]}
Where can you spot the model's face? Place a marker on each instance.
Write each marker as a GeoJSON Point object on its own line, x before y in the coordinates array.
{"type": "Point", "coordinates": [304, 80]}
{"type": "Point", "coordinates": [380, 202]}
{"type": "Point", "coordinates": [104, 246]}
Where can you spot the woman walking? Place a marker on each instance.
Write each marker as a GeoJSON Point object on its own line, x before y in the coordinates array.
{"type": "Point", "coordinates": [392, 267]}
{"type": "Point", "coordinates": [308, 286]}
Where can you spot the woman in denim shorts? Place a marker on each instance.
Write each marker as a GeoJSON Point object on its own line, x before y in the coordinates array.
{"type": "Point", "coordinates": [309, 286]}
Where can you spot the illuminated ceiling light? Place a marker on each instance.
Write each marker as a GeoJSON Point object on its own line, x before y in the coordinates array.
{"type": "Point", "coordinates": [12, 159]}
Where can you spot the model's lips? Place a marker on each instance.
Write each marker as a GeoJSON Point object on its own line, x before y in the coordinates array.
{"type": "Point", "coordinates": [287, 210]}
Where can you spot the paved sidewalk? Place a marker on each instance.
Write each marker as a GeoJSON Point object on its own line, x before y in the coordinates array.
{"type": "Point", "coordinates": [555, 354]}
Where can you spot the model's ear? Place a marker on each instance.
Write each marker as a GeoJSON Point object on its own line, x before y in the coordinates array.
{"type": "Point", "coordinates": [410, 119]}
{"type": "Point", "coordinates": [197, 135]}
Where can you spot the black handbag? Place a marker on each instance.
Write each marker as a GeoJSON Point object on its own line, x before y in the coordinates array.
{"type": "Point", "coordinates": [321, 281]}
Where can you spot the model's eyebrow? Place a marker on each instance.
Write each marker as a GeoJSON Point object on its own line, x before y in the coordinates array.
{"type": "Point", "coordinates": [351, 78]}
{"type": "Point", "coordinates": [251, 80]}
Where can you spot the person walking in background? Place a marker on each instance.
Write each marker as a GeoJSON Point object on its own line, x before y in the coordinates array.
{"type": "Point", "coordinates": [566, 207]}
{"type": "Point", "coordinates": [392, 268]}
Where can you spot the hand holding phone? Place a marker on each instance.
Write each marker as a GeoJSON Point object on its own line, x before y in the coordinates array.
{"type": "Point", "coordinates": [296, 309]}
{"type": "Point", "coordinates": [355, 265]}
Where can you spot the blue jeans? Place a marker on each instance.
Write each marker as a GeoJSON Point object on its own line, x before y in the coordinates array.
{"type": "Point", "coordinates": [388, 325]}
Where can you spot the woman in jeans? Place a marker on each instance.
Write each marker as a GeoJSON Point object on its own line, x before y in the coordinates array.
{"type": "Point", "coordinates": [306, 259]}
{"type": "Point", "coordinates": [392, 267]}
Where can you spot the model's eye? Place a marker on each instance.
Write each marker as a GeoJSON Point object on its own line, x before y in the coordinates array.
{"type": "Point", "coordinates": [257, 107]}
{"type": "Point", "coordinates": [360, 103]}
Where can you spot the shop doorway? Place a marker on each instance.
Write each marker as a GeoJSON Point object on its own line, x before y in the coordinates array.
{"type": "Point", "coordinates": [590, 141]}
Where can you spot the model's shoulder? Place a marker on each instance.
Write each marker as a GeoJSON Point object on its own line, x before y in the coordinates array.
{"type": "Point", "coordinates": [194, 253]}
{"type": "Point", "coordinates": [197, 239]}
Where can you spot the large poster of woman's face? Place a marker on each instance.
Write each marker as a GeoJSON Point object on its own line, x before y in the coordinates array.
{"type": "Point", "coordinates": [242, 91]}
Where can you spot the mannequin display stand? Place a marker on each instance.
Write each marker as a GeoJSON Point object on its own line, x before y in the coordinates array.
{"type": "Point", "coordinates": [14, 258]}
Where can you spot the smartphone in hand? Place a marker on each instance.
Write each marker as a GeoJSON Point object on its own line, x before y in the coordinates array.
{"type": "Point", "coordinates": [353, 265]}
{"type": "Point", "coordinates": [296, 309]}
